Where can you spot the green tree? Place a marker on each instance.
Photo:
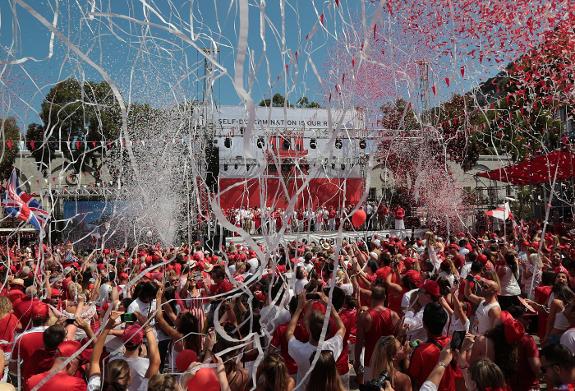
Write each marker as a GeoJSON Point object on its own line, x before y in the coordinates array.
{"type": "Point", "coordinates": [40, 146]}
{"type": "Point", "coordinates": [304, 102]}
{"type": "Point", "coordinates": [9, 148]}
{"type": "Point", "coordinates": [79, 115]}
{"type": "Point", "coordinates": [278, 100]}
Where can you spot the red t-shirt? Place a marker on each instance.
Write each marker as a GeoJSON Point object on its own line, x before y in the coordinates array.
{"type": "Point", "coordinates": [7, 330]}
{"type": "Point", "coordinates": [25, 348]}
{"type": "Point", "coordinates": [22, 310]}
{"type": "Point", "coordinates": [424, 359]}
{"type": "Point", "coordinates": [381, 325]}
{"type": "Point", "coordinates": [279, 340]}
{"type": "Point", "coordinates": [59, 381]}
{"type": "Point", "coordinates": [221, 287]}
{"type": "Point", "coordinates": [526, 379]}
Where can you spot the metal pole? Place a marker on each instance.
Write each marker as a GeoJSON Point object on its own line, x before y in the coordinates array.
{"type": "Point", "coordinates": [542, 241]}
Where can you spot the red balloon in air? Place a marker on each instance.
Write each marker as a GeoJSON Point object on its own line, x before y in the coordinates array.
{"type": "Point", "coordinates": [358, 218]}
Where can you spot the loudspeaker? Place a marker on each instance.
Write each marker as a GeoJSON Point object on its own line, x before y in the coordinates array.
{"type": "Point", "coordinates": [213, 167]}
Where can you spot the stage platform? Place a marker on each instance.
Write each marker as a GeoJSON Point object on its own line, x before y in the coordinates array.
{"type": "Point", "coordinates": [315, 236]}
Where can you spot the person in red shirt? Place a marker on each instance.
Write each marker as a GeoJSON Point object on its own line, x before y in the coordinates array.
{"type": "Point", "coordinates": [221, 283]}
{"type": "Point", "coordinates": [377, 322]}
{"type": "Point", "coordinates": [425, 356]}
{"type": "Point", "coordinates": [16, 291]}
{"type": "Point", "coordinates": [280, 342]}
{"type": "Point", "coordinates": [63, 378]}
{"type": "Point", "coordinates": [8, 324]}
{"type": "Point", "coordinates": [27, 343]}
{"type": "Point", "coordinates": [399, 215]}
{"type": "Point", "coordinates": [529, 363]}
{"type": "Point", "coordinates": [23, 307]}
{"type": "Point", "coordinates": [382, 212]}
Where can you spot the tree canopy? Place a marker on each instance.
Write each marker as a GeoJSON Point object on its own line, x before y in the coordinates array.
{"type": "Point", "coordinates": [9, 148]}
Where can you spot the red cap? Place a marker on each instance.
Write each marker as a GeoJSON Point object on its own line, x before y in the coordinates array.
{"type": "Point", "coordinates": [482, 258]}
{"type": "Point", "coordinates": [431, 287]}
{"type": "Point", "coordinates": [512, 328]}
{"type": "Point", "coordinates": [68, 348]}
{"type": "Point", "coordinates": [459, 260]}
{"type": "Point", "coordinates": [414, 277]}
{"type": "Point", "coordinates": [133, 335]}
{"type": "Point", "coordinates": [40, 311]}
{"type": "Point", "coordinates": [205, 379]}
{"type": "Point", "coordinates": [184, 359]}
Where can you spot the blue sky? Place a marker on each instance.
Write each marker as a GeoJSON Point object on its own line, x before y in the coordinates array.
{"type": "Point", "coordinates": [163, 69]}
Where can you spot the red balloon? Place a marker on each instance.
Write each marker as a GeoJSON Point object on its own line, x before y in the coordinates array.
{"type": "Point", "coordinates": [358, 218]}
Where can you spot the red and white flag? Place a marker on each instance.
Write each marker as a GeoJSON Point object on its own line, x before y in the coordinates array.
{"type": "Point", "coordinates": [502, 212]}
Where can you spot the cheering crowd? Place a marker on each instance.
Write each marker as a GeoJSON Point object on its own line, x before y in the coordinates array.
{"type": "Point", "coordinates": [386, 313]}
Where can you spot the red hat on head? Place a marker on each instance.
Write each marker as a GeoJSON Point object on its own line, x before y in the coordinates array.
{"type": "Point", "coordinates": [40, 311]}
{"type": "Point", "coordinates": [512, 328]}
{"type": "Point", "coordinates": [419, 242]}
{"type": "Point", "coordinates": [124, 276]}
{"type": "Point", "coordinates": [482, 258]}
{"type": "Point", "coordinates": [106, 251]}
{"type": "Point", "coordinates": [101, 266]}
{"type": "Point", "coordinates": [67, 349]}
{"type": "Point", "coordinates": [184, 359]}
{"type": "Point", "coordinates": [459, 260]}
{"type": "Point", "coordinates": [205, 379]}
{"type": "Point", "coordinates": [561, 269]}
{"type": "Point", "coordinates": [432, 288]}
{"type": "Point", "coordinates": [414, 277]}
{"type": "Point", "coordinates": [133, 335]}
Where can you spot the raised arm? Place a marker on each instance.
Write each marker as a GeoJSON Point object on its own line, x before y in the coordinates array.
{"type": "Point", "coordinates": [99, 346]}
{"type": "Point", "coordinates": [153, 352]}
{"type": "Point", "coordinates": [294, 319]}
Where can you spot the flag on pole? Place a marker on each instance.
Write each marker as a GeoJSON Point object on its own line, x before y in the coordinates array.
{"type": "Point", "coordinates": [21, 205]}
{"type": "Point", "coordinates": [502, 212]}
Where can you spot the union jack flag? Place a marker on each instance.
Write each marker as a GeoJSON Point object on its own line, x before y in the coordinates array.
{"type": "Point", "coordinates": [21, 205]}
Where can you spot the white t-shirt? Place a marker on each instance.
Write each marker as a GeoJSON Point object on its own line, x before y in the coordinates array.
{"type": "Point", "coordinates": [465, 269]}
{"type": "Point", "coordinates": [509, 284]}
{"type": "Point", "coordinates": [568, 340]}
{"type": "Point", "coordinates": [299, 285]}
{"type": "Point", "coordinates": [406, 299]}
{"type": "Point", "coordinates": [138, 368]}
{"type": "Point", "coordinates": [302, 351]}
{"type": "Point", "coordinates": [147, 309]}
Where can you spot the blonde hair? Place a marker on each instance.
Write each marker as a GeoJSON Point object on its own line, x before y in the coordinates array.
{"type": "Point", "coordinates": [163, 382]}
{"type": "Point", "coordinates": [535, 260]}
{"type": "Point", "coordinates": [382, 357]}
{"type": "Point", "coordinates": [5, 305]}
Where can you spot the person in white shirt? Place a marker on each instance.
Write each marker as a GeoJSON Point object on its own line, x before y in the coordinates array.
{"type": "Point", "coordinates": [301, 279]}
{"type": "Point", "coordinates": [303, 352]}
